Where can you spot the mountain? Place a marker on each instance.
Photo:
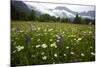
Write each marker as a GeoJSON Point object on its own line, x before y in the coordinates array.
{"type": "Point", "coordinates": [66, 9]}
{"type": "Point", "coordinates": [70, 13]}
{"type": "Point", "coordinates": [20, 6]}
{"type": "Point", "coordinates": [23, 7]}
{"type": "Point", "coordinates": [90, 14]}
{"type": "Point", "coordinates": [58, 11]}
{"type": "Point", "coordinates": [61, 11]}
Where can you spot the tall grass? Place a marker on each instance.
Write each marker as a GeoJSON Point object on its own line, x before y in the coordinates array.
{"type": "Point", "coordinates": [35, 43]}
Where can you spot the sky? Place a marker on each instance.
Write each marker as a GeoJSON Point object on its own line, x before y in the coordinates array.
{"type": "Point", "coordinates": [77, 8]}
{"type": "Point", "coordinates": [86, 2]}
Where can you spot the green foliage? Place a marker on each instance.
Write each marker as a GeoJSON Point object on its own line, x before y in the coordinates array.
{"type": "Point", "coordinates": [77, 19]}
{"type": "Point", "coordinates": [45, 18]}
{"type": "Point", "coordinates": [32, 16]}
{"type": "Point", "coordinates": [88, 21]}
{"type": "Point", "coordinates": [65, 20]}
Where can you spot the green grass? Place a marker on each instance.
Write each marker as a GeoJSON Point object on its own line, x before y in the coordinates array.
{"type": "Point", "coordinates": [35, 43]}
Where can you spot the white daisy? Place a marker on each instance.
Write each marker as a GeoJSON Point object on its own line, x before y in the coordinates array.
{"type": "Point", "coordinates": [55, 55]}
{"type": "Point", "coordinates": [44, 45]}
{"type": "Point", "coordinates": [65, 55]}
{"type": "Point", "coordinates": [44, 57]}
{"type": "Point", "coordinates": [67, 47]}
{"type": "Point", "coordinates": [19, 48]}
{"type": "Point", "coordinates": [90, 32]}
{"type": "Point", "coordinates": [82, 54]}
{"type": "Point", "coordinates": [33, 29]}
{"type": "Point", "coordinates": [53, 45]}
{"type": "Point", "coordinates": [38, 28]}
{"type": "Point", "coordinates": [72, 36]}
{"type": "Point", "coordinates": [51, 39]}
{"type": "Point", "coordinates": [59, 37]}
{"type": "Point", "coordinates": [58, 40]}
{"type": "Point", "coordinates": [79, 39]}
{"type": "Point", "coordinates": [84, 32]}
{"type": "Point", "coordinates": [92, 53]}
{"type": "Point", "coordinates": [50, 29]}
{"type": "Point", "coordinates": [38, 40]}
{"type": "Point", "coordinates": [75, 39]}
{"type": "Point", "coordinates": [42, 53]}
{"type": "Point", "coordinates": [63, 32]}
{"type": "Point", "coordinates": [91, 47]}
{"type": "Point", "coordinates": [14, 51]}
{"type": "Point", "coordinates": [71, 52]}
{"type": "Point", "coordinates": [16, 38]}
{"type": "Point", "coordinates": [32, 38]}
{"type": "Point", "coordinates": [37, 46]}
{"type": "Point", "coordinates": [21, 31]}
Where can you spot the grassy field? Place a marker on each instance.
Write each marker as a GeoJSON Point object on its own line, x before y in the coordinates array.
{"type": "Point", "coordinates": [35, 43]}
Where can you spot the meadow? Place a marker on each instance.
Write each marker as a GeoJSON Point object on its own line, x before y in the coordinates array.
{"type": "Point", "coordinates": [36, 43]}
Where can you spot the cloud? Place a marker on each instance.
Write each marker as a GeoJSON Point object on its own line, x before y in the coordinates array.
{"type": "Point", "coordinates": [77, 8]}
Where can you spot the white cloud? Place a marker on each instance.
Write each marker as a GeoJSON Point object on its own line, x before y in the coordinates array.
{"type": "Point", "coordinates": [77, 8]}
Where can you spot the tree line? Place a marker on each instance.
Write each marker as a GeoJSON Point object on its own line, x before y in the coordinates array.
{"type": "Point", "coordinates": [31, 16]}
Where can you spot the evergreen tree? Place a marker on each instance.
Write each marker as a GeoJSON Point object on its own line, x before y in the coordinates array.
{"type": "Point", "coordinates": [45, 18]}
{"type": "Point", "coordinates": [77, 19]}
{"type": "Point", "coordinates": [32, 15]}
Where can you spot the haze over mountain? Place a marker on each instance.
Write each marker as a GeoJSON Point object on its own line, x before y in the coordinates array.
{"type": "Point", "coordinates": [57, 10]}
